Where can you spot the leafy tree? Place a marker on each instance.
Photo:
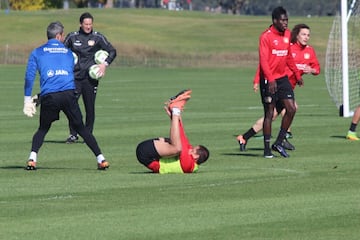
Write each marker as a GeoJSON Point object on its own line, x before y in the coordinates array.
{"type": "Point", "coordinates": [91, 3]}
{"type": "Point", "coordinates": [81, 3]}
{"type": "Point", "coordinates": [232, 6]}
{"type": "Point", "coordinates": [53, 3]}
{"type": "Point", "coordinates": [27, 4]}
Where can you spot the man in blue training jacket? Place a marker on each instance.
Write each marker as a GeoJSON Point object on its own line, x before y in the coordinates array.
{"type": "Point", "coordinates": [55, 64]}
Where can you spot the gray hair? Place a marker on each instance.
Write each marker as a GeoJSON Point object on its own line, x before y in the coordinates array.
{"type": "Point", "coordinates": [53, 29]}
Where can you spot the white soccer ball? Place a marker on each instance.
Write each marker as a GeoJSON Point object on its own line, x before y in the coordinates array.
{"type": "Point", "coordinates": [94, 72]}
{"type": "Point", "coordinates": [76, 59]}
{"type": "Point", "coordinates": [100, 56]}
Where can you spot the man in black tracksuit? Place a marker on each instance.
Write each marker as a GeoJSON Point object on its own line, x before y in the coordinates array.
{"type": "Point", "coordinates": [85, 43]}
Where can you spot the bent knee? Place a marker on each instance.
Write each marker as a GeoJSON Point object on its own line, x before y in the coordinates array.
{"type": "Point", "coordinates": [291, 110]}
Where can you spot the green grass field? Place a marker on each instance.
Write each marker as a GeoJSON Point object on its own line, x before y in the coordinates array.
{"type": "Point", "coordinates": [313, 195]}
{"type": "Point", "coordinates": [157, 37]}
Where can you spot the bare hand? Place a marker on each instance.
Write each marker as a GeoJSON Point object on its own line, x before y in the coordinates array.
{"type": "Point", "coordinates": [300, 82]}
{"type": "Point", "coordinates": [167, 110]}
{"type": "Point", "coordinates": [102, 67]}
{"type": "Point", "coordinates": [307, 69]}
{"type": "Point", "coordinates": [272, 87]}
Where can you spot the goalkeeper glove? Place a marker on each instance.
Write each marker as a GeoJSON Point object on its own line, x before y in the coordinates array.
{"type": "Point", "coordinates": [36, 99]}
{"type": "Point", "coordinates": [29, 106]}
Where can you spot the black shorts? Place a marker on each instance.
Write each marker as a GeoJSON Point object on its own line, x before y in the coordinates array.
{"type": "Point", "coordinates": [146, 152]}
{"type": "Point", "coordinates": [53, 103]}
{"type": "Point", "coordinates": [284, 91]}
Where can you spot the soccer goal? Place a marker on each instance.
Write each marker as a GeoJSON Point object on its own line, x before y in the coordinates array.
{"type": "Point", "coordinates": [342, 65]}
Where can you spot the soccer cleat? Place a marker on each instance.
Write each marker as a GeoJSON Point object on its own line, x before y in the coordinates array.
{"type": "Point", "coordinates": [72, 139]}
{"type": "Point", "coordinates": [242, 143]}
{"type": "Point", "coordinates": [352, 136]}
{"type": "Point", "coordinates": [179, 99]}
{"type": "Point", "coordinates": [288, 135]}
{"type": "Point", "coordinates": [287, 145]}
{"type": "Point", "coordinates": [31, 165]}
{"type": "Point", "coordinates": [103, 165]}
{"type": "Point", "coordinates": [268, 155]}
{"type": "Point", "coordinates": [183, 95]}
{"type": "Point", "coordinates": [280, 149]}
{"type": "Point", "coordinates": [178, 104]}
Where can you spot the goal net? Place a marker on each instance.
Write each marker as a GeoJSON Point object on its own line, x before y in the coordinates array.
{"type": "Point", "coordinates": [337, 80]}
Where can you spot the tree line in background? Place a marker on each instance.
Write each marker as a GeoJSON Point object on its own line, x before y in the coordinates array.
{"type": "Point", "coordinates": [245, 7]}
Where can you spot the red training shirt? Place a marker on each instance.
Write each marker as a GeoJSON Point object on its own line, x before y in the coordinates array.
{"type": "Point", "coordinates": [303, 56]}
{"type": "Point", "coordinates": [275, 54]}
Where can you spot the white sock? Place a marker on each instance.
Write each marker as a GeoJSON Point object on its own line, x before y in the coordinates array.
{"type": "Point", "coordinates": [33, 156]}
{"type": "Point", "coordinates": [100, 158]}
{"type": "Point", "coordinates": [176, 111]}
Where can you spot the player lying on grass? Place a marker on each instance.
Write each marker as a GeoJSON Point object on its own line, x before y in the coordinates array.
{"type": "Point", "coordinates": [174, 154]}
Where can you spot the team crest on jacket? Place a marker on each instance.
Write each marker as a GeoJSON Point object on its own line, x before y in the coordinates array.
{"type": "Point", "coordinates": [286, 40]}
{"type": "Point", "coordinates": [91, 43]}
{"type": "Point", "coordinates": [307, 56]}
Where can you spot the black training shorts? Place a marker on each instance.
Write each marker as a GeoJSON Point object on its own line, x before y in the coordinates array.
{"type": "Point", "coordinates": [284, 90]}
{"type": "Point", "coordinates": [146, 152]}
{"type": "Point", "coordinates": [53, 103]}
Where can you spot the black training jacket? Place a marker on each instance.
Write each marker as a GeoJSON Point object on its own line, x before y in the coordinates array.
{"type": "Point", "coordinates": [85, 46]}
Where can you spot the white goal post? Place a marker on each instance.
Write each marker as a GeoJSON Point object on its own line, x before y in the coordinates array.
{"type": "Point", "coordinates": [342, 70]}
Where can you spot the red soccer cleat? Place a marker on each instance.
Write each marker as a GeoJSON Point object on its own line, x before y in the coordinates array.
{"type": "Point", "coordinates": [103, 165]}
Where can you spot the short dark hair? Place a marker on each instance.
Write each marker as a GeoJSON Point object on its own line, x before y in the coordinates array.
{"type": "Point", "coordinates": [203, 154]}
{"type": "Point", "coordinates": [295, 31]}
{"type": "Point", "coordinates": [277, 12]}
{"type": "Point", "coordinates": [85, 15]}
{"type": "Point", "coordinates": [54, 29]}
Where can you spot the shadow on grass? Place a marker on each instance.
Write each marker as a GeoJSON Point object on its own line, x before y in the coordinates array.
{"type": "Point", "coordinates": [49, 168]}
{"type": "Point", "coordinates": [241, 154]}
{"type": "Point", "coordinates": [13, 167]}
{"type": "Point", "coordinates": [246, 153]}
{"type": "Point", "coordinates": [342, 137]}
{"type": "Point", "coordinates": [62, 142]}
{"type": "Point", "coordinates": [143, 172]}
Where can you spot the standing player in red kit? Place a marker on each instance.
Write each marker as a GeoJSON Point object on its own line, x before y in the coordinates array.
{"type": "Point", "coordinates": [274, 58]}
{"type": "Point", "coordinates": [306, 61]}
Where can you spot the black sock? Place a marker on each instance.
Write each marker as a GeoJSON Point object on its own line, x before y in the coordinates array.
{"type": "Point", "coordinates": [250, 133]}
{"type": "Point", "coordinates": [267, 143]}
{"type": "Point", "coordinates": [353, 127]}
{"type": "Point", "coordinates": [281, 136]}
